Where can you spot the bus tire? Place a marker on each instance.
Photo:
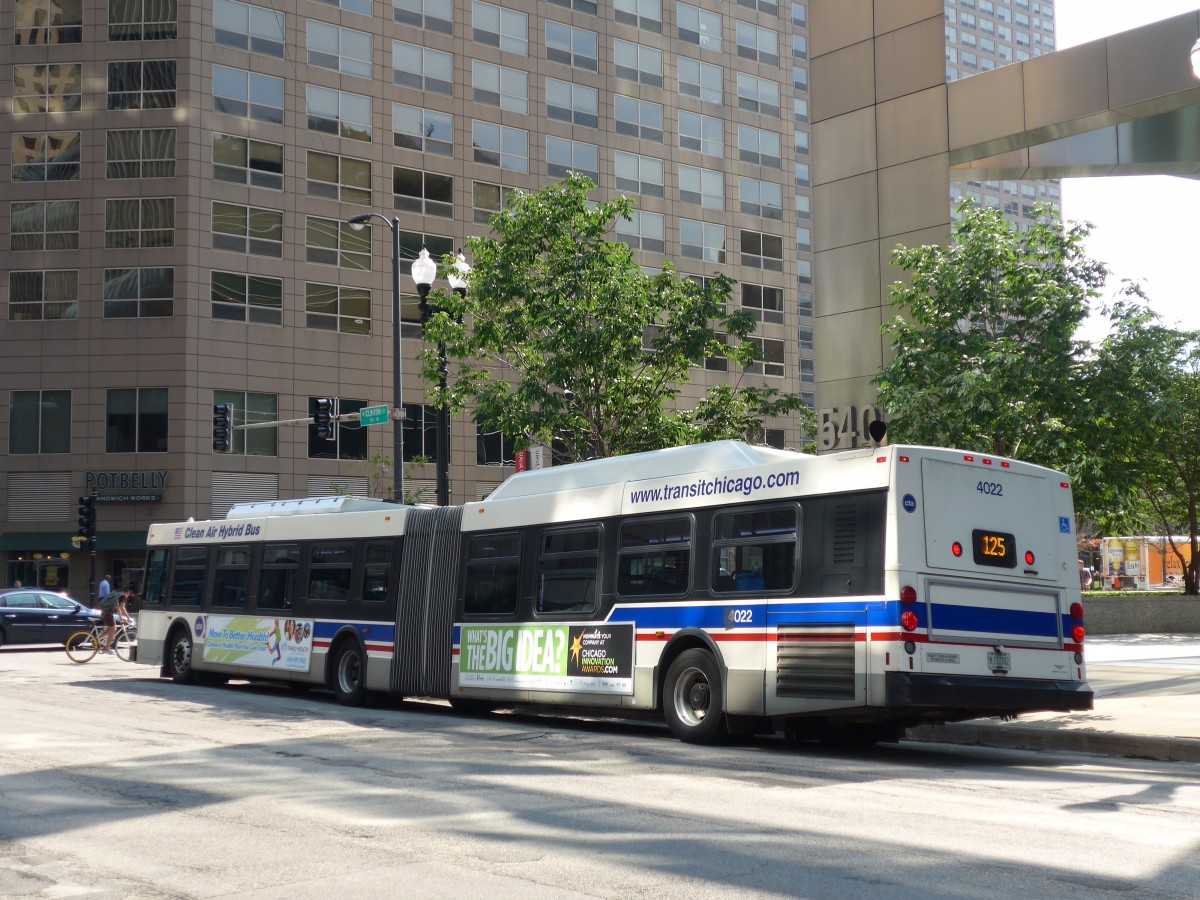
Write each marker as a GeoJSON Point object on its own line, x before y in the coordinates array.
{"type": "Point", "coordinates": [179, 657]}
{"type": "Point", "coordinates": [692, 695]}
{"type": "Point", "coordinates": [349, 675]}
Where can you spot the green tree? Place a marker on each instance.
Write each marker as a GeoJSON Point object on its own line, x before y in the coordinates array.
{"type": "Point", "coordinates": [563, 340]}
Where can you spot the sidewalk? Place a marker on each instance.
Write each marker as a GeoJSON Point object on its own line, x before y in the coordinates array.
{"type": "Point", "coordinates": [1147, 706]}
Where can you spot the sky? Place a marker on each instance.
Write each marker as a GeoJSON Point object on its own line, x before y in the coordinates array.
{"type": "Point", "coordinates": [1147, 227]}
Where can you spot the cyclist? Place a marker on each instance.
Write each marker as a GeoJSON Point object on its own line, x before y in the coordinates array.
{"type": "Point", "coordinates": [123, 616]}
{"type": "Point", "coordinates": [109, 604]}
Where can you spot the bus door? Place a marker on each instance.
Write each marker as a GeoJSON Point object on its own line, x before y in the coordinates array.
{"type": "Point", "coordinates": [997, 574]}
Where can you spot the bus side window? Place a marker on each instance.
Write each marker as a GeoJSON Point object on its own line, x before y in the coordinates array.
{"type": "Point", "coordinates": [755, 549]}
{"type": "Point", "coordinates": [377, 571]}
{"type": "Point", "coordinates": [492, 581]}
{"type": "Point", "coordinates": [655, 557]}
{"type": "Point", "coordinates": [330, 571]}
{"type": "Point", "coordinates": [187, 579]}
{"type": "Point", "coordinates": [277, 577]}
{"type": "Point", "coordinates": [568, 567]}
{"type": "Point", "coordinates": [232, 577]}
{"type": "Point", "coordinates": [157, 566]}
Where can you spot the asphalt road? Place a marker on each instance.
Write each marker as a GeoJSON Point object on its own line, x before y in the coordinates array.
{"type": "Point", "coordinates": [116, 784]}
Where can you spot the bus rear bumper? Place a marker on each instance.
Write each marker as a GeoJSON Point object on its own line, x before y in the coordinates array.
{"type": "Point", "coordinates": [954, 697]}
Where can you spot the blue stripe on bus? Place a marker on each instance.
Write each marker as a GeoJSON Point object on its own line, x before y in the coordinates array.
{"type": "Point", "coordinates": [375, 632]}
{"type": "Point", "coordinates": [998, 621]}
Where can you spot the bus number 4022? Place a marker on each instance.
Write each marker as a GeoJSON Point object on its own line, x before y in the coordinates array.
{"type": "Point", "coordinates": [991, 488]}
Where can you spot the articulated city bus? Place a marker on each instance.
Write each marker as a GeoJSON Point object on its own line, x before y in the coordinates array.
{"type": "Point", "coordinates": [727, 587]}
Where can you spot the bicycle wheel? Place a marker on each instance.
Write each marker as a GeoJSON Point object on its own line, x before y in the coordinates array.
{"type": "Point", "coordinates": [123, 643]}
{"type": "Point", "coordinates": [82, 646]}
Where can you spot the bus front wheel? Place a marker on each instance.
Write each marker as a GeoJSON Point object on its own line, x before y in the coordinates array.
{"type": "Point", "coordinates": [179, 658]}
{"type": "Point", "coordinates": [350, 675]}
{"type": "Point", "coordinates": [692, 698]}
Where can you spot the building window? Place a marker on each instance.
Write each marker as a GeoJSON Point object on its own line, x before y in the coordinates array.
{"type": "Point", "coordinates": [563, 156]}
{"type": "Point", "coordinates": [39, 422]}
{"type": "Point", "coordinates": [704, 187]}
{"type": "Point", "coordinates": [759, 95]}
{"type": "Point", "coordinates": [800, 14]}
{"type": "Point", "coordinates": [808, 372]}
{"type": "Point", "coordinates": [638, 118]}
{"type": "Point", "coordinates": [762, 251]}
{"type": "Point", "coordinates": [698, 26]}
{"type": "Point", "coordinates": [800, 46]}
{"type": "Point", "coordinates": [703, 133]}
{"type": "Point", "coordinates": [338, 112]}
{"type": "Point", "coordinates": [362, 7]}
{"type": "Point", "coordinates": [500, 86]}
{"type": "Point", "coordinates": [340, 49]}
{"type": "Point", "coordinates": [800, 142]}
{"type": "Point", "coordinates": [804, 304]}
{"type": "Point", "coordinates": [339, 178]}
{"type": "Point", "coordinates": [140, 153]}
{"type": "Point", "coordinates": [757, 44]}
{"type": "Point", "coordinates": [423, 130]}
{"type": "Point", "coordinates": [770, 7]}
{"type": "Point", "coordinates": [804, 271]}
{"type": "Point", "coordinates": [499, 145]}
{"type": "Point", "coordinates": [249, 409]}
{"type": "Point", "coordinates": [800, 109]}
{"type": "Point", "coordinates": [136, 420]}
{"type": "Point", "coordinates": [763, 302]}
{"type": "Point", "coordinates": [349, 441]}
{"type": "Point", "coordinates": [142, 20]}
{"type": "Point", "coordinates": [760, 198]}
{"type": "Point", "coordinates": [331, 242]}
{"type": "Point", "coordinates": [637, 63]}
{"type": "Point", "coordinates": [756, 145]}
{"type": "Point", "coordinates": [247, 229]}
{"type": "Point", "coordinates": [803, 206]}
{"type": "Point", "coordinates": [422, 68]}
{"type": "Point", "coordinates": [420, 432]}
{"type": "Point", "coordinates": [645, 14]}
{"type": "Point", "coordinates": [247, 95]}
{"type": "Point", "coordinates": [47, 88]}
{"type": "Point", "coordinates": [492, 448]}
{"type": "Point", "coordinates": [771, 358]}
{"type": "Point", "coordinates": [572, 46]}
{"type": "Point", "coordinates": [43, 225]}
{"type": "Point", "coordinates": [702, 240]}
{"type": "Point", "coordinates": [247, 27]}
{"type": "Point", "coordinates": [332, 307]}
{"type": "Point", "coordinates": [141, 84]}
{"type": "Point", "coordinates": [429, 193]}
{"type": "Point", "coordinates": [487, 199]}
{"type": "Point", "coordinates": [45, 156]}
{"type": "Point", "coordinates": [703, 80]}
{"type": "Point", "coordinates": [411, 243]}
{"type": "Point", "coordinates": [43, 295]}
{"type": "Point", "coordinates": [805, 337]}
{"type": "Point", "coordinates": [246, 298]}
{"type": "Point", "coordinates": [39, 22]}
{"type": "Point", "coordinates": [804, 239]}
{"type": "Point", "coordinates": [244, 161]}
{"type": "Point", "coordinates": [503, 28]}
{"type": "Point", "coordinates": [585, 6]}
{"type": "Point", "coordinates": [643, 231]}
{"type": "Point", "coordinates": [139, 293]}
{"type": "Point", "coordinates": [639, 174]}
{"type": "Point", "coordinates": [430, 15]}
{"type": "Point", "coordinates": [573, 103]}
{"type": "Point", "coordinates": [148, 222]}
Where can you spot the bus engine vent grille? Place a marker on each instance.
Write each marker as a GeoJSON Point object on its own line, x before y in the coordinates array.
{"type": "Point", "coordinates": [815, 661]}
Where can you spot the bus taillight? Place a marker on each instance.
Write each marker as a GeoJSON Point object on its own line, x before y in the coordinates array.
{"type": "Point", "coordinates": [1077, 612]}
{"type": "Point", "coordinates": [1029, 557]}
{"type": "Point", "coordinates": [908, 595]}
{"type": "Point", "coordinates": [956, 548]}
{"type": "Point", "coordinates": [908, 621]}
{"type": "Point", "coordinates": [1078, 634]}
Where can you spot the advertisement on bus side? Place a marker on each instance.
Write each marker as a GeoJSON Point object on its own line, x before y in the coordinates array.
{"type": "Point", "coordinates": [591, 658]}
{"type": "Point", "coordinates": [267, 643]}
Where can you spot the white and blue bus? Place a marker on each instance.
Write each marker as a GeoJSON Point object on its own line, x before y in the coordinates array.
{"type": "Point", "coordinates": [729, 588]}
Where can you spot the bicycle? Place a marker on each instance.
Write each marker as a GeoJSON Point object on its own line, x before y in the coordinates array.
{"type": "Point", "coordinates": [83, 646]}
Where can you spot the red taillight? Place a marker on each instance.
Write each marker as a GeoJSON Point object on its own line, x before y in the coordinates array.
{"type": "Point", "coordinates": [908, 594]}
{"type": "Point", "coordinates": [1004, 465]}
{"type": "Point", "coordinates": [908, 621]}
{"type": "Point", "coordinates": [1078, 634]}
{"type": "Point", "coordinates": [1077, 612]}
{"type": "Point", "coordinates": [956, 548]}
{"type": "Point", "coordinates": [969, 458]}
{"type": "Point", "coordinates": [903, 459]}
{"type": "Point", "coordinates": [1064, 484]}
{"type": "Point", "coordinates": [1029, 557]}
{"type": "Point", "coordinates": [987, 462]}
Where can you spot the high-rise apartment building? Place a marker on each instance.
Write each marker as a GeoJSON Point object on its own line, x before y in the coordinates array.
{"type": "Point", "coordinates": [177, 194]}
{"type": "Point", "coordinates": [985, 34]}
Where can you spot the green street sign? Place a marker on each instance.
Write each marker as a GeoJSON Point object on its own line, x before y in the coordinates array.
{"type": "Point", "coordinates": [373, 415]}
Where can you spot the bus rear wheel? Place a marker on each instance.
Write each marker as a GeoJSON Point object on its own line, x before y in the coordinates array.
{"type": "Point", "coordinates": [692, 696]}
{"type": "Point", "coordinates": [349, 675]}
{"type": "Point", "coordinates": [179, 658]}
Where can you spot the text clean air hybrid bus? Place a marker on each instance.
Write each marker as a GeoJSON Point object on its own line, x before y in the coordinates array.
{"type": "Point", "coordinates": [729, 587]}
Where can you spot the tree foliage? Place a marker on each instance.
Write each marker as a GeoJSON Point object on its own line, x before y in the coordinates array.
{"type": "Point", "coordinates": [563, 340]}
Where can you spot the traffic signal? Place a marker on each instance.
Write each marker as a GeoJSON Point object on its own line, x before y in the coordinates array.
{"type": "Point", "coordinates": [87, 520]}
{"type": "Point", "coordinates": [222, 427]}
{"type": "Point", "coordinates": [323, 418]}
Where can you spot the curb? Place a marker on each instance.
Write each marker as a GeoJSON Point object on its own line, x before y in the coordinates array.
{"type": "Point", "coordinates": [1134, 746]}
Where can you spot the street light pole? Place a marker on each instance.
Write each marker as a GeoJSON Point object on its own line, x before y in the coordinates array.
{"type": "Point", "coordinates": [359, 222]}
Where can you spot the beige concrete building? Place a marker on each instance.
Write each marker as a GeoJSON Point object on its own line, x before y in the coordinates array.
{"type": "Point", "coordinates": [180, 176]}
